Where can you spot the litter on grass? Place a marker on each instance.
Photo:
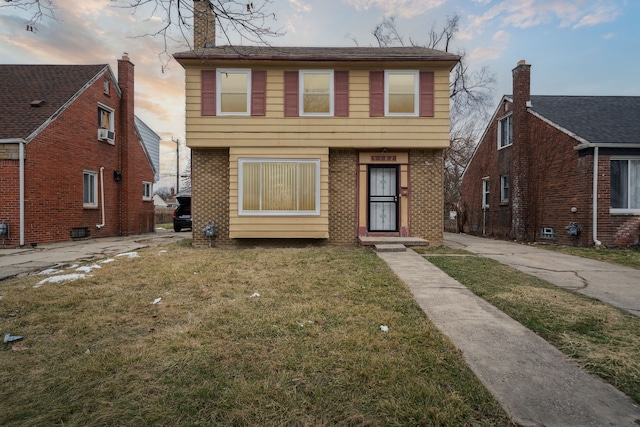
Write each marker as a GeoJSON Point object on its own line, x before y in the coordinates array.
{"type": "Point", "coordinates": [88, 268]}
{"type": "Point", "coordinates": [129, 254]}
{"type": "Point", "coordinates": [156, 301]}
{"type": "Point", "coordinates": [255, 295]}
{"type": "Point", "coordinates": [61, 278]}
{"type": "Point", "coordinates": [384, 328]}
{"type": "Point", "coordinates": [12, 338]}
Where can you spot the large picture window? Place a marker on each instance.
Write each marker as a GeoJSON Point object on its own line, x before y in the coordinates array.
{"type": "Point", "coordinates": [316, 93]}
{"type": "Point", "coordinates": [90, 189]}
{"type": "Point", "coordinates": [234, 92]}
{"type": "Point", "coordinates": [625, 185]}
{"type": "Point", "coordinates": [401, 91]}
{"type": "Point", "coordinates": [279, 187]}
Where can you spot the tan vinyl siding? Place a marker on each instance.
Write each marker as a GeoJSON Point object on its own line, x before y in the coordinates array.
{"type": "Point", "coordinates": [276, 226]}
{"type": "Point", "coordinates": [356, 131]}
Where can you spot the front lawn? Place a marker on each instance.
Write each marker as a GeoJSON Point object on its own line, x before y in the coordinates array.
{"type": "Point", "coordinates": [182, 336]}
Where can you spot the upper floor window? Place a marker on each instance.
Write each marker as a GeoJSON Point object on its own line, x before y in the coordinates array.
{"type": "Point", "coordinates": [504, 188]}
{"type": "Point", "coordinates": [625, 185]}
{"type": "Point", "coordinates": [505, 131]}
{"type": "Point", "coordinates": [485, 193]}
{"type": "Point", "coordinates": [279, 187]}
{"type": "Point", "coordinates": [106, 130]}
{"type": "Point", "coordinates": [316, 93]}
{"type": "Point", "coordinates": [233, 92]}
{"type": "Point", "coordinates": [401, 93]}
{"type": "Point", "coordinates": [147, 190]}
{"type": "Point", "coordinates": [234, 89]}
{"type": "Point", "coordinates": [90, 189]}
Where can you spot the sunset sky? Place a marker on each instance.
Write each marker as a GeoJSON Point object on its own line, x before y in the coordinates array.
{"type": "Point", "coordinates": [576, 47]}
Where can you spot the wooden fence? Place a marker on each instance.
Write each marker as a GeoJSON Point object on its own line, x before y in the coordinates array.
{"type": "Point", "coordinates": [164, 215]}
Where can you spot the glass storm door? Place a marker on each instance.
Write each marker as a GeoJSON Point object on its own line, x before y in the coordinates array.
{"type": "Point", "coordinates": [383, 198]}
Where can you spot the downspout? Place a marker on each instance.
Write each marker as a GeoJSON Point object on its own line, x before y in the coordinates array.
{"type": "Point", "coordinates": [595, 198]}
{"type": "Point", "coordinates": [99, 226]}
{"type": "Point", "coordinates": [21, 174]}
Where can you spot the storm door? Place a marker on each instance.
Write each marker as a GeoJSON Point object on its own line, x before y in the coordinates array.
{"type": "Point", "coordinates": [383, 198]}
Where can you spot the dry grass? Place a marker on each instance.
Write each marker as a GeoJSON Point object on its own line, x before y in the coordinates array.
{"type": "Point", "coordinates": [601, 338]}
{"type": "Point", "coordinates": [307, 351]}
{"type": "Point", "coordinates": [626, 257]}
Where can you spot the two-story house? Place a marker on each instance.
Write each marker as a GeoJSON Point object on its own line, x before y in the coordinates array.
{"type": "Point", "coordinates": [74, 160]}
{"type": "Point", "coordinates": [553, 168]}
{"type": "Point", "coordinates": [315, 142]}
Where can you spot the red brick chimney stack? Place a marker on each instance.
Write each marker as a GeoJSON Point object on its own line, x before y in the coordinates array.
{"type": "Point", "coordinates": [521, 151]}
{"type": "Point", "coordinates": [204, 25]}
{"type": "Point", "coordinates": [126, 136]}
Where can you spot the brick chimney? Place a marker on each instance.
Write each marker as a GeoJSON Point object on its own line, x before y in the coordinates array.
{"type": "Point", "coordinates": [204, 24]}
{"type": "Point", "coordinates": [521, 150]}
{"type": "Point", "coordinates": [125, 137]}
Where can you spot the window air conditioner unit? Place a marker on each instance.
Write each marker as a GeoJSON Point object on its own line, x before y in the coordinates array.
{"type": "Point", "coordinates": [106, 135]}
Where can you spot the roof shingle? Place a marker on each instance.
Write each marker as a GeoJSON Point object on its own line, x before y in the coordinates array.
{"type": "Point", "coordinates": [20, 85]}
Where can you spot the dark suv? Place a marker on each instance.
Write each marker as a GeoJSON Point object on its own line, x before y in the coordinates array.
{"type": "Point", "coordinates": [182, 214]}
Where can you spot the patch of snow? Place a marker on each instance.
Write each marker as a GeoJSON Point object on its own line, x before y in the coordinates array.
{"type": "Point", "coordinates": [107, 261]}
{"type": "Point", "coordinates": [162, 252]}
{"type": "Point", "coordinates": [88, 268]}
{"type": "Point", "coordinates": [74, 266]}
{"type": "Point", "coordinates": [129, 254]}
{"type": "Point", "coordinates": [49, 271]}
{"type": "Point", "coordinates": [61, 278]}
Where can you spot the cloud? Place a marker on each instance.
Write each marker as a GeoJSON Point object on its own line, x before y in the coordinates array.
{"type": "Point", "coordinates": [299, 6]}
{"type": "Point", "coordinates": [501, 36]}
{"type": "Point", "coordinates": [401, 8]}
{"type": "Point", "coordinates": [531, 13]}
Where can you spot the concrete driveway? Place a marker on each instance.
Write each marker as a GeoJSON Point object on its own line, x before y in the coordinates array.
{"type": "Point", "coordinates": [614, 284]}
{"type": "Point", "coordinates": [27, 260]}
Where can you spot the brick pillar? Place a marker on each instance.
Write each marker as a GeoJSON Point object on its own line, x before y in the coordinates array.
{"type": "Point", "coordinates": [210, 194]}
{"type": "Point", "coordinates": [426, 195]}
{"type": "Point", "coordinates": [521, 149]}
{"type": "Point", "coordinates": [204, 25]}
{"type": "Point", "coordinates": [124, 137]}
{"type": "Point", "coordinates": [343, 196]}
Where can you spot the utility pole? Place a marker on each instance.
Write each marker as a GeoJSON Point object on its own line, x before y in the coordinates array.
{"type": "Point", "coordinates": [177, 142]}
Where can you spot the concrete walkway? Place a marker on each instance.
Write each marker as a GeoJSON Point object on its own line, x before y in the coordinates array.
{"type": "Point", "coordinates": [614, 284]}
{"type": "Point", "coordinates": [27, 260]}
{"type": "Point", "coordinates": [530, 378]}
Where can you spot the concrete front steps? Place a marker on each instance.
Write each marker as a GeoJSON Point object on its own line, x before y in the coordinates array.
{"type": "Point", "coordinates": [392, 244]}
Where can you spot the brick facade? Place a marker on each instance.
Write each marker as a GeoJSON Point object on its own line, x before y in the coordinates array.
{"type": "Point", "coordinates": [54, 164]}
{"type": "Point", "coordinates": [551, 183]}
{"type": "Point", "coordinates": [210, 194]}
{"type": "Point", "coordinates": [426, 196]}
{"type": "Point", "coordinates": [343, 194]}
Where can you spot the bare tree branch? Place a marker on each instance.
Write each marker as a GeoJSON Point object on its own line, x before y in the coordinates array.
{"type": "Point", "coordinates": [39, 9]}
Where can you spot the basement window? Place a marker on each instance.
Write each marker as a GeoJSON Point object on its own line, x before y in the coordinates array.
{"type": "Point", "coordinates": [79, 233]}
{"type": "Point", "coordinates": [548, 233]}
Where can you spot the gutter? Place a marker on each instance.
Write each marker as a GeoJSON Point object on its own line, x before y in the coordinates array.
{"type": "Point", "coordinates": [595, 198]}
{"type": "Point", "coordinates": [21, 143]}
{"type": "Point", "coordinates": [595, 145]}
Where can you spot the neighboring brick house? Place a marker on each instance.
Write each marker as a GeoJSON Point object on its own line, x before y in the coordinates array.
{"type": "Point", "coordinates": [319, 143]}
{"type": "Point", "coordinates": [532, 175]}
{"type": "Point", "coordinates": [72, 161]}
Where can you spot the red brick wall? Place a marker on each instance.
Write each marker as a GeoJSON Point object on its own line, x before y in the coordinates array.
{"type": "Point", "coordinates": [54, 165]}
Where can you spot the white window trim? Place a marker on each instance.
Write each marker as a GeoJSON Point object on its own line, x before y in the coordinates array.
{"type": "Point", "coordinates": [221, 71]}
{"type": "Point", "coordinates": [301, 92]}
{"type": "Point", "coordinates": [503, 179]}
{"type": "Point", "coordinates": [486, 190]}
{"type": "Point", "coordinates": [416, 93]}
{"type": "Point", "coordinates": [622, 211]}
{"type": "Point", "coordinates": [243, 212]}
{"type": "Point", "coordinates": [146, 184]}
{"type": "Point", "coordinates": [94, 174]}
{"type": "Point", "coordinates": [500, 146]}
{"type": "Point", "coordinates": [111, 116]}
